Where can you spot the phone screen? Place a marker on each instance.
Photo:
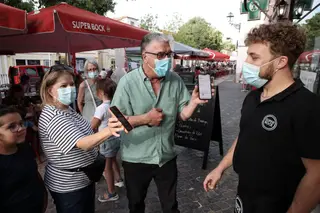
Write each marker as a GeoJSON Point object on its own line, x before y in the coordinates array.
{"type": "Point", "coordinates": [121, 118]}
{"type": "Point", "coordinates": [204, 87]}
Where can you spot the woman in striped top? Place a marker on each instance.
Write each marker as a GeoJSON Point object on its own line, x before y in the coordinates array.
{"type": "Point", "coordinates": [68, 143]}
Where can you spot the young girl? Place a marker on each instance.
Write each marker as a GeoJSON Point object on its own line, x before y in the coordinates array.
{"type": "Point", "coordinates": [105, 91]}
{"type": "Point", "coordinates": [21, 186]}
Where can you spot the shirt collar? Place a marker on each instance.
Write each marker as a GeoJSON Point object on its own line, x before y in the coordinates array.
{"type": "Point", "coordinates": [145, 78]}
{"type": "Point", "coordinates": [285, 93]}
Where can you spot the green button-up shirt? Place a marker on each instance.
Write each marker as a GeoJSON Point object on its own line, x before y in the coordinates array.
{"type": "Point", "coordinates": [135, 96]}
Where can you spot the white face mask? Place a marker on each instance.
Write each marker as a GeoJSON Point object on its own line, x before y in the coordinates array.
{"type": "Point", "coordinates": [92, 75]}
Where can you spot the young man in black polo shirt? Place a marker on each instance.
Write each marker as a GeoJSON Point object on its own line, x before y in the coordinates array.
{"type": "Point", "coordinates": [277, 152]}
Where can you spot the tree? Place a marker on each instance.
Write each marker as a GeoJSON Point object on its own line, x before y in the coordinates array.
{"type": "Point", "coordinates": [174, 24]}
{"type": "Point", "coordinates": [96, 6]}
{"type": "Point", "coordinates": [27, 5]}
{"type": "Point", "coordinates": [312, 28]}
{"type": "Point", "coordinates": [199, 34]}
{"type": "Point", "coordinates": [149, 22]}
{"type": "Point", "coordinates": [227, 45]}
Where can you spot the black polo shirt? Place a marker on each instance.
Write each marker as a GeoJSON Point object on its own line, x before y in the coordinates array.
{"type": "Point", "coordinates": [274, 135]}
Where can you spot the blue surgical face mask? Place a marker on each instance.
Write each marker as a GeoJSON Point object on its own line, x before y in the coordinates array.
{"type": "Point", "coordinates": [92, 75]}
{"type": "Point", "coordinates": [251, 75]}
{"type": "Point", "coordinates": [162, 66]}
{"type": "Point", "coordinates": [67, 95]}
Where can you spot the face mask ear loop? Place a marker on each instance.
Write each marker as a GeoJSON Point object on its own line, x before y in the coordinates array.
{"type": "Point", "coordinates": [151, 67]}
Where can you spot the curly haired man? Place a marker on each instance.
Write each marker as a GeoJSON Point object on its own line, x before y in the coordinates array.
{"type": "Point", "coordinates": [276, 153]}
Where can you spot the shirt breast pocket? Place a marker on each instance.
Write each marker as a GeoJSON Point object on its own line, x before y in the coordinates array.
{"type": "Point", "coordinates": [170, 107]}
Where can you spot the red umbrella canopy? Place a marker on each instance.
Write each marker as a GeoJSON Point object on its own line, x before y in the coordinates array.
{"type": "Point", "coordinates": [306, 57]}
{"type": "Point", "coordinates": [65, 28]}
{"type": "Point", "coordinates": [215, 55]}
{"type": "Point", "coordinates": [12, 20]}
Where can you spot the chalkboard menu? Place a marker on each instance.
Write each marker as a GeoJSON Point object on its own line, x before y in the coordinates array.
{"type": "Point", "coordinates": [196, 131]}
{"type": "Point", "coordinates": [201, 128]}
{"type": "Point", "coordinates": [188, 78]}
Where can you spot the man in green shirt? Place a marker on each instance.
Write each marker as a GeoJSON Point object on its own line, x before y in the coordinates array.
{"type": "Point", "coordinates": [152, 97]}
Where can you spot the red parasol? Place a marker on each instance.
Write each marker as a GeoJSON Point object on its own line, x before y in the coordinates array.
{"type": "Point", "coordinates": [215, 55]}
{"type": "Point", "coordinates": [12, 20]}
{"type": "Point", "coordinates": [306, 57]}
{"type": "Point", "coordinates": [64, 28]}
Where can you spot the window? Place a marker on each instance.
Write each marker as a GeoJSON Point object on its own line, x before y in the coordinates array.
{"type": "Point", "coordinates": [46, 62]}
{"type": "Point", "coordinates": [20, 62]}
{"type": "Point", "coordinates": [132, 23]}
{"type": "Point", "coordinates": [31, 72]}
{"type": "Point", "coordinates": [113, 63]}
{"type": "Point", "coordinates": [33, 62]}
{"type": "Point", "coordinates": [307, 67]}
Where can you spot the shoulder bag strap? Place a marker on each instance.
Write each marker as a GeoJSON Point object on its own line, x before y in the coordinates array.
{"type": "Point", "coordinates": [91, 94]}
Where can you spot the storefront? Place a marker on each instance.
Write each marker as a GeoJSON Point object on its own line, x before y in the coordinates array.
{"type": "Point", "coordinates": [307, 68]}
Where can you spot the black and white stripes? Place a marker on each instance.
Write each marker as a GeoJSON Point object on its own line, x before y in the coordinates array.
{"type": "Point", "coordinates": [59, 132]}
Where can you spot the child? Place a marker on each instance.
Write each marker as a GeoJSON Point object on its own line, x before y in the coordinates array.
{"type": "Point", "coordinates": [105, 91]}
{"type": "Point", "coordinates": [21, 186]}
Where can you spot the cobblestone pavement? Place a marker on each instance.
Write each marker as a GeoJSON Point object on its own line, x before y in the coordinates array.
{"type": "Point", "coordinates": [191, 196]}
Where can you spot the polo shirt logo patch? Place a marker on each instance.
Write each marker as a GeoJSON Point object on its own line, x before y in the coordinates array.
{"type": "Point", "coordinates": [238, 205]}
{"type": "Point", "coordinates": [269, 122]}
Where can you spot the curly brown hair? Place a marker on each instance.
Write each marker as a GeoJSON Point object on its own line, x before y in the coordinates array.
{"type": "Point", "coordinates": [283, 38]}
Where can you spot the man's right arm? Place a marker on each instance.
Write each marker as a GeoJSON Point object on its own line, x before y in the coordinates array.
{"type": "Point", "coordinates": [139, 120]}
{"type": "Point", "coordinates": [214, 176]}
{"type": "Point", "coordinates": [121, 99]}
{"type": "Point", "coordinates": [228, 158]}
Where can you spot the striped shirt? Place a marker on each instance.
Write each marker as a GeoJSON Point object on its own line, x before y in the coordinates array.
{"type": "Point", "coordinates": [59, 132]}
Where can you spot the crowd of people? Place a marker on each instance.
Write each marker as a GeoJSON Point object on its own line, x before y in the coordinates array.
{"type": "Point", "coordinates": [276, 154]}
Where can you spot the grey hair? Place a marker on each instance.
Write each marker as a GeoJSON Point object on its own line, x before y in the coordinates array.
{"type": "Point", "coordinates": [91, 61]}
{"type": "Point", "coordinates": [147, 39]}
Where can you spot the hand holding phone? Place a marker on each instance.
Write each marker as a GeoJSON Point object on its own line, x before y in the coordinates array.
{"type": "Point", "coordinates": [115, 126]}
{"type": "Point", "coordinates": [116, 112]}
{"type": "Point", "coordinates": [204, 85]}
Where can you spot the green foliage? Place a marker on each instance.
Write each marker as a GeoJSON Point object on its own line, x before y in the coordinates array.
{"type": "Point", "coordinates": [149, 22]}
{"type": "Point", "coordinates": [198, 33]}
{"type": "Point", "coordinates": [312, 28]}
{"type": "Point", "coordinates": [27, 5]}
{"type": "Point", "coordinates": [227, 45]}
{"type": "Point", "coordinates": [96, 6]}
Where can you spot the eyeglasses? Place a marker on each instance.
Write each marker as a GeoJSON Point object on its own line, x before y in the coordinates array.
{"type": "Point", "coordinates": [60, 67]}
{"type": "Point", "coordinates": [16, 127]}
{"type": "Point", "coordinates": [92, 69]}
{"type": "Point", "coordinates": [162, 55]}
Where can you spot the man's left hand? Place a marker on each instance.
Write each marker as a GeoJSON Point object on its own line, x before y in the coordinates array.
{"type": "Point", "coordinates": [195, 96]}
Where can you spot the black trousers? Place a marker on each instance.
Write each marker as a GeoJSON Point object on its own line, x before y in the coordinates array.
{"type": "Point", "coordinates": [80, 201]}
{"type": "Point", "coordinates": [253, 201]}
{"type": "Point", "coordinates": [138, 177]}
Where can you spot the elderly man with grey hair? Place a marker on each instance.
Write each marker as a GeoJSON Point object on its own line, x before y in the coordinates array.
{"type": "Point", "coordinates": [87, 97]}
{"type": "Point", "coordinates": [152, 97]}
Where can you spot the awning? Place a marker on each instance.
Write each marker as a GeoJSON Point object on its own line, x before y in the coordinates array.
{"type": "Point", "coordinates": [306, 57]}
{"type": "Point", "coordinates": [215, 55]}
{"type": "Point", "coordinates": [179, 48]}
{"type": "Point", "coordinates": [65, 28]}
{"type": "Point", "coordinates": [12, 20]}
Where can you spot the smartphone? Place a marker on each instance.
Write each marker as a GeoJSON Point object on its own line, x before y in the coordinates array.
{"type": "Point", "coordinates": [204, 84]}
{"type": "Point", "coordinates": [121, 118]}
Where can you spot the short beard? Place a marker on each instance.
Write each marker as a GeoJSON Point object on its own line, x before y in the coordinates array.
{"type": "Point", "coordinates": [268, 73]}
